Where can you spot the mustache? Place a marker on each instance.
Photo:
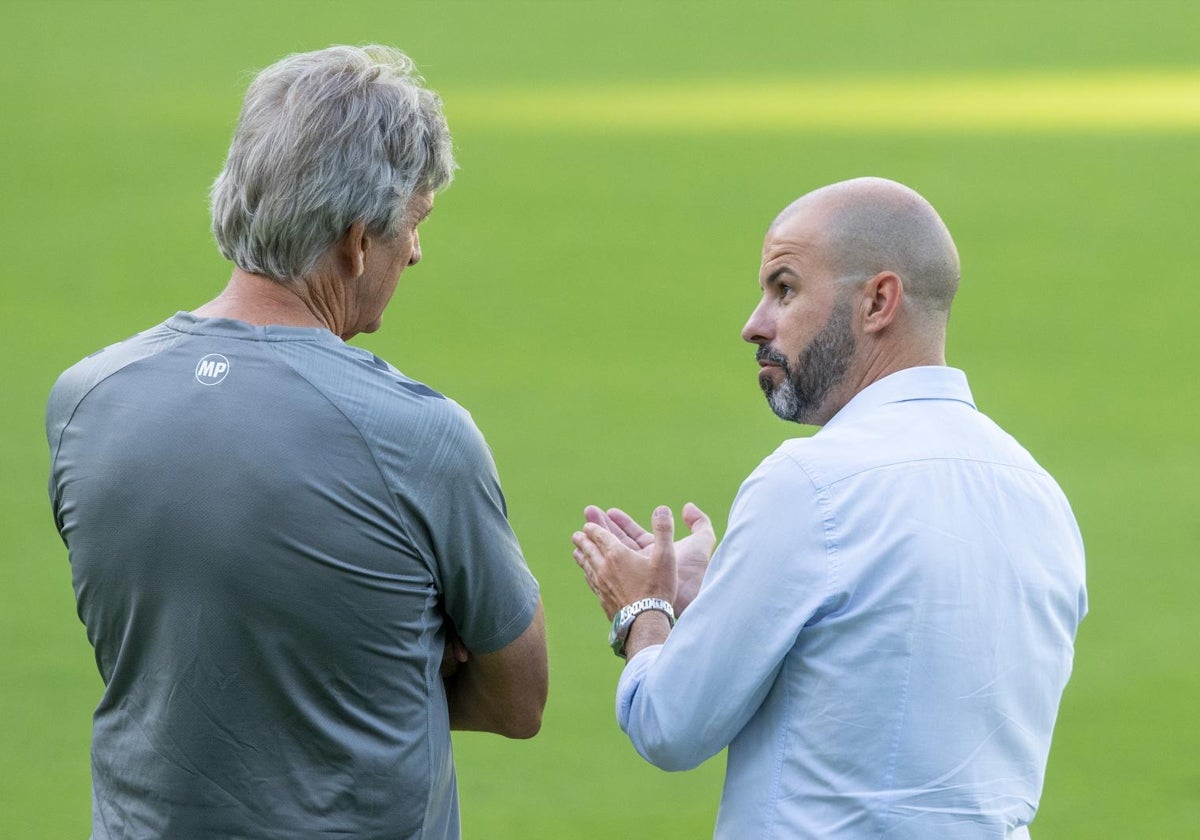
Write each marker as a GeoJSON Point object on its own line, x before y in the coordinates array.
{"type": "Point", "coordinates": [766, 353]}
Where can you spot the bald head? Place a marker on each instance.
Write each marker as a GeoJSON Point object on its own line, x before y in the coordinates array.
{"type": "Point", "coordinates": [857, 280]}
{"type": "Point", "coordinates": [869, 225]}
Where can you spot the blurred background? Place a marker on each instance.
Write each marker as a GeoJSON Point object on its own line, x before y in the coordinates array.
{"type": "Point", "coordinates": [582, 289]}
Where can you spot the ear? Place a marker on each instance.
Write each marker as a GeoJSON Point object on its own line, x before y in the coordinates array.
{"type": "Point", "coordinates": [352, 249]}
{"type": "Point", "coordinates": [882, 295]}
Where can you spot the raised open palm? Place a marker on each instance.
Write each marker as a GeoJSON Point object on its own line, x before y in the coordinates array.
{"type": "Point", "coordinates": [692, 553]}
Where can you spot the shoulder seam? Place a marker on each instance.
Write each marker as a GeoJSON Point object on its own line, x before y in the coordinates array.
{"type": "Point", "coordinates": [430, 561]}
{"type": "Point", "coordinates": [890, 464]}
{"type": "Point", "coordinates": [828, 524]}
{"type": "Point", "coordinates": [57, 444]}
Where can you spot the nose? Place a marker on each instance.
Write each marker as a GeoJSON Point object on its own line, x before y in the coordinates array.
{"type": "Point", "coordinates": [415, 256]}
{"type": "Point", "coordinates": [758, 329]}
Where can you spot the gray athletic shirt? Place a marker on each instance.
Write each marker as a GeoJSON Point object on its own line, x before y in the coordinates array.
{"type": "Point", "coordinates": [267, 529]}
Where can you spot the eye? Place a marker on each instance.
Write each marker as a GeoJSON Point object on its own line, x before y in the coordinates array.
{"type": "Point", "coordinates": [785, 291]}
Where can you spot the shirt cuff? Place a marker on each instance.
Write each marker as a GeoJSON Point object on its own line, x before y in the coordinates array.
{"type": "Point", "coordinates": [631, 680]}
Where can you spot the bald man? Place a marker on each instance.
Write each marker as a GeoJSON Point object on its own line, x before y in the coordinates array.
{"type": "Point", "coordinates": [884, 635]}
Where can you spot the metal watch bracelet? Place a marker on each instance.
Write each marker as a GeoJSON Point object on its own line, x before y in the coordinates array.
{"type": "Point", "coordinates": [625, 616]}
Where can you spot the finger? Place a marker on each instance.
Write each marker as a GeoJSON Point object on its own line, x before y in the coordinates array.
{"type": "Point", "coordinates": [589, 572]}
{"type": "Point", "coordinates": [596, 516]}
{"type": "Point", "coordinates": [603, 540]}
{"type": "Point", "coordinates": [640, 536]}
{"type": "Point", "coordinates": [577, 539]}
{"type": "Point", "coordinates": [698, 521]}
{"type": "Point", "coordinates": [593, 514]}
{"type": "Point", "coordinates": [591, 548]}
{"type": "Point", "coordinates": [586, 553]}
{"type": "Point", "coordinates": [664, 531]}
{"type": "Point", "coordinates": [693, 514]}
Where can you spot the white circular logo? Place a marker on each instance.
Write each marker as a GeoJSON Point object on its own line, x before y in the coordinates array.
{"type": "Point", "coordinates": [212, 369]}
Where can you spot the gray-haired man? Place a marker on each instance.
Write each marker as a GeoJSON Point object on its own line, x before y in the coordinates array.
{"type": "Point", "coordinates": [293, 561]}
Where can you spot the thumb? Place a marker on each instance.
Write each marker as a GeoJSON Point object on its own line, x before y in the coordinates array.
{"type": "Point", "coordinates": [698, 521]}
{"type": "Point", "coordinates": [664, 531]}
{"type": "Point", "coordinates": [695, 518]}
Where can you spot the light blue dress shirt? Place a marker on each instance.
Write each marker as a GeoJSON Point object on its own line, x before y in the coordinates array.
{"type": "Point", "coordinates": [884, 634]}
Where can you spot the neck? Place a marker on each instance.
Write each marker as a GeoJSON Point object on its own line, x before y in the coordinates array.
{"type": "Point", "coordinates": [258, 300]}
{"type": "Point", "coordinates": [882, 361]}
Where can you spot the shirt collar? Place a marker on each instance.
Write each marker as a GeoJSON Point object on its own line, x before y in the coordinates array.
{"type": "Point", "coordinates": [916, 383]}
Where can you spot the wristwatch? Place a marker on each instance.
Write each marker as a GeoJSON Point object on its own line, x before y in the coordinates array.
{"type": "Point", "coordinates": [623, 620]}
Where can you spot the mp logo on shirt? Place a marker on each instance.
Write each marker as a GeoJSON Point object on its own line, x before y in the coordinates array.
{"type": "Point", "coordinates": [212, 369]}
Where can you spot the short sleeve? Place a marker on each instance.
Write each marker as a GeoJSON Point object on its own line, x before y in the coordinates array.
{"type": "Point", "coordinates": [488, 590]}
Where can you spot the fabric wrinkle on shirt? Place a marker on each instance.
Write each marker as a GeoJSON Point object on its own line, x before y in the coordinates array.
{"type": "Point", "coordinates": [267, 528]}
{"type": "Point", "coordinates": [884, 634]}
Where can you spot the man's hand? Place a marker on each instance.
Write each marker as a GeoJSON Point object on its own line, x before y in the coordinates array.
{"type": "Point", "coordinates": [620, 574]}
{"type": "Point", "coordinates": [455, 653]}
{"type": "Point", "coordinates": [692, 553]}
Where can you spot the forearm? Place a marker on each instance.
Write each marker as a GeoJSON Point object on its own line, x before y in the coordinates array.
{"type": "Point", "coordinates": [474, 708]}
{"type": "Point", "coordinates": [661, 726]}
{"type": "Point", "coordinates": [502, 692]}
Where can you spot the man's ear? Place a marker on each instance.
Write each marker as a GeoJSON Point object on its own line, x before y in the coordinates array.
{"type": "Point", "coordinates": [883, 294]}
{"type": "Point", "coordinates": [352, 249]}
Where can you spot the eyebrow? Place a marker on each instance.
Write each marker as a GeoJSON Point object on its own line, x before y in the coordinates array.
{"type": "Point", "coordinates": [775, 276]}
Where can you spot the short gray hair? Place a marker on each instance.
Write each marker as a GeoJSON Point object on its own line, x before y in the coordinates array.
{"type": "Point", "coordinates": [326, 139]}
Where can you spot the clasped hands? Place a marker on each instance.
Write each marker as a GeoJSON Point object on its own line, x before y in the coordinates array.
{"type": "Point", "coordinates": [623, 562]}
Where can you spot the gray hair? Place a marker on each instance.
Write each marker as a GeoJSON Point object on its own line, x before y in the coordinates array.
{"type": "Point", "coordinates": [326, 139]}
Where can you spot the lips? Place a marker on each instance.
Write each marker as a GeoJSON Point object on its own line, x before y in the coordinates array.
{"type": "Point", "coordinates": [766, 357]}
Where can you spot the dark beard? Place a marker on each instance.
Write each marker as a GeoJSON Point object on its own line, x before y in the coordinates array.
{"type": "Point", "coordinates": [821, 367]}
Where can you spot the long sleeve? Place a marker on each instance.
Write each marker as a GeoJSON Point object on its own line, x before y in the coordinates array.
{"type": "Point", "coordinates": [683, 702]}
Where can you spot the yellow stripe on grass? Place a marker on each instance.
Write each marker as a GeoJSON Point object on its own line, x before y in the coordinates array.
{"type": "Point", "coordinates": [1166, 101]}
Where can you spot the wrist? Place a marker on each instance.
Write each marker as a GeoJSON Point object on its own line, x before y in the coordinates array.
{"type": "Point", "coordinates": [649, 628]}
{"type": "Point", "coordinates": [624, 619]}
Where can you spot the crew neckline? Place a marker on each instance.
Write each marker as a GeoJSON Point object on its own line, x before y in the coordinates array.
{"type": "Point", "coordinates": [232, 328]}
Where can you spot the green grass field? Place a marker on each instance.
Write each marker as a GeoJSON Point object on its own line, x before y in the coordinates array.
{"type": "Point", "coordinates": [582, 290]}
